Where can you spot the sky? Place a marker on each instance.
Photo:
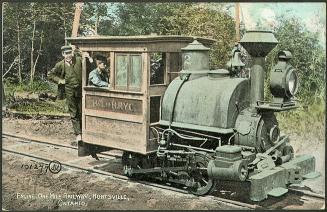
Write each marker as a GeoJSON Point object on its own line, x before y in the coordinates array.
{"type": "Point", "coordinates": [313, 15]}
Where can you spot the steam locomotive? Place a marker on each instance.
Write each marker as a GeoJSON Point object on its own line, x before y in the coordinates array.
{"type": "Point", "coordinates": [214, 126]}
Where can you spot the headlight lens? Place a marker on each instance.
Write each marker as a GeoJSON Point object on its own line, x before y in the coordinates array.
{"type": "Point", "coordinates": [292, 82]}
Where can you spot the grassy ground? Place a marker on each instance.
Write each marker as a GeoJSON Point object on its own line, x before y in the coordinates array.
{"type": "Point", "coordinates": [15, 101]}
{"type": "Point", "coordinates": [307, 121]}
{"type": "Point", "coordinates": [57, 107]}
{"type": "Point", "coordinates": [35, 87]}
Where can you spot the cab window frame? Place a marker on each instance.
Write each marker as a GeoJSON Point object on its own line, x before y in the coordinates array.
{"type": "Point", "coordinates": [129, 72]}
{"type": "Point", "coordinates": [162, 78]}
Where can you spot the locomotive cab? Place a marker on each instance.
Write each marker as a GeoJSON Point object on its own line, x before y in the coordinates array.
{"type": "Point", "coordinates": [122, 115]}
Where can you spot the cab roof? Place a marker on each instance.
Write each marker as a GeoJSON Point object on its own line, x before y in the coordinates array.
{"type": "Point", "coordinates": [142, 39]}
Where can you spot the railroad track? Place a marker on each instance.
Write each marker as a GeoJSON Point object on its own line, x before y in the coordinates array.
{"type": "Point", "coordinates": [107, 156]}
{"type": "Point", "coordinates": [33, 115]}
{"type": "Point", "coordinates": [52, 143]}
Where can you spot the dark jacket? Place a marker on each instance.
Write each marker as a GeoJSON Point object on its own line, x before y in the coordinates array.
{"type": "Point", "coordinates": [72, 74]}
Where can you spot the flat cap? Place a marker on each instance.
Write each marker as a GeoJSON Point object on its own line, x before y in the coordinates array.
{"type": "Point", "coordinates": [66, 48]}
{"type": "Point", "coordinates": [100, 57]}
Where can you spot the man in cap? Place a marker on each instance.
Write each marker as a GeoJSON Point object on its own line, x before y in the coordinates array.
{"type": "Point", "coordinates": [68, 72]}
{"type": "Point", "coordinates": [99, 76]}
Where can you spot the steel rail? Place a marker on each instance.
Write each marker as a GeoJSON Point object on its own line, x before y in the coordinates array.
{"type": "Point", "coordinates": [307, 193]}
{"type": "Point", "coordinates": [124, 178]}
{"type": "Point", "coordinates": [51, 143]}
{"type": "Point", "coordinates": [92, 170]}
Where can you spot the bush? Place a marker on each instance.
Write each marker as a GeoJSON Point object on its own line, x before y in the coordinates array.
{"type": "Point", "coordinates": [35, 87]}
{"type": "Point", "coordinates": [33, 107]}
{"type": "Point", "coordinates": [307, 121]}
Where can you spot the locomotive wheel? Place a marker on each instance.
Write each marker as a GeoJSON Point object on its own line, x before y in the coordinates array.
{"type": "Point", "coordinates": [125, 158]}
{"type": "Point", "coordinates": [288, 150]}
{"type": "Point", "coordinates": [203, 184]}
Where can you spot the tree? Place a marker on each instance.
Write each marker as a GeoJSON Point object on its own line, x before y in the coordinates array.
{"type": "Point", "coordinates": [93, 17]}
{"type": "Point", "coordinates": [35, 13]}
{"type": "Point", "coordinates": [207, 20]}
{"type": "Point", "coordinates": [211, 22]}
{"type": "Point", "coordinates": [13, 37]}
{"type": "Point", "coordinates": [33, 23]}
{"type": "Point", "coordinates": [140, 18]}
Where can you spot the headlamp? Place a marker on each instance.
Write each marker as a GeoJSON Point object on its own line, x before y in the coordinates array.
{"type": "Point", "coordinates": [283, 79]}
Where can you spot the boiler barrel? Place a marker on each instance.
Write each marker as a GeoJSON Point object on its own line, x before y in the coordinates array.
{"type": "Point", "coordinates": [206, 103]}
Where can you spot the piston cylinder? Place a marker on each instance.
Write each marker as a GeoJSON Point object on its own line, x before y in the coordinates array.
{"type": "Point", "coordinates": [236, 171]}
{"type": "Point", "coordinates": [229, 164]}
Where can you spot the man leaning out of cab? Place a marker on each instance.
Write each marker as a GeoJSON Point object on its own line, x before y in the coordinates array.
{"type": "Point", "coordinates": [99, 76]}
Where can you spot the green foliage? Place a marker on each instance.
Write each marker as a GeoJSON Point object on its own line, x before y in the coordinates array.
{"type": "Point", "coordinates": [35, 87]}
{"type": "Point", "coordinates": [95, 18]}
{"type": "Point", "coordinates": [179, 19]}
{"type": "Point", "coordinates": [200, 20]}
{"type": "Point", "coordinates": [52, 21]}
{"type": "Point", "coordinates": [141, 18]}
{"type": "Point", "coordinates": [307, 121]}
{"type": "Point", "coordinates": [32, 106]}
{"type": "Point", "coordinates": [35, 107]}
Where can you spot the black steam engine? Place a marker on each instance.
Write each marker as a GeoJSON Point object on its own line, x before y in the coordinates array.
{"type": "Point", "coordinates": [215, 125]}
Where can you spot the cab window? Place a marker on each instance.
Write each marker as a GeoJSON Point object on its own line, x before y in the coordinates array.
{"type": "Point", "coordinates": [91, 66]}
{"type": "Point", "coordinates": [128, 72]}
{"type": "Point", "coordinates": [157, 68]}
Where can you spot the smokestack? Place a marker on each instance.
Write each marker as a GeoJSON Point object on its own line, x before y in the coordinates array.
{"type": "Point", "coordinates": [258, 44]}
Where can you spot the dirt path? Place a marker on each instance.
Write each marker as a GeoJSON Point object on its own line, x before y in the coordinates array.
{"type": "Point", "coordinates": [25, 189]}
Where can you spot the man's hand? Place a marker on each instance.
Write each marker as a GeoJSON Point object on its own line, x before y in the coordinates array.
{"type": "Point", "coordinates": [61, 82]}
{"type": "Point", "coordinates": [86, 55]}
